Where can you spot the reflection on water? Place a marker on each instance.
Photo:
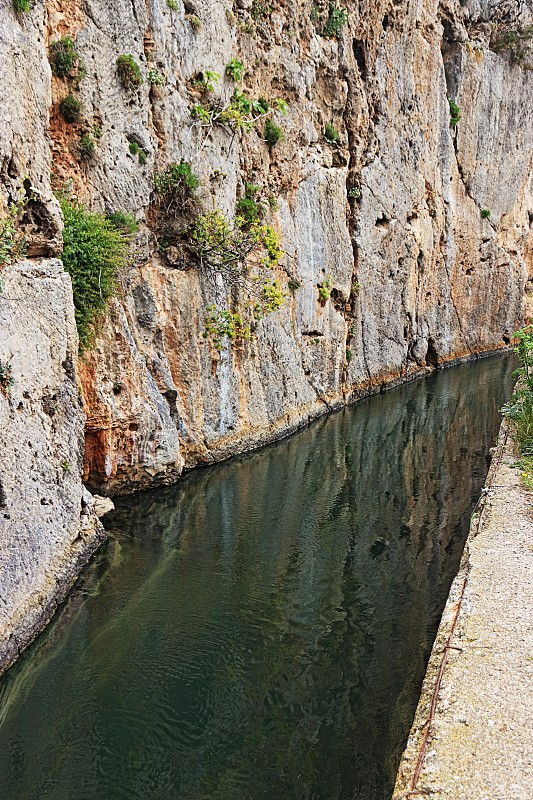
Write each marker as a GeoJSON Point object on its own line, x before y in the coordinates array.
{"type": "Point", "coordinates": [261, 630]}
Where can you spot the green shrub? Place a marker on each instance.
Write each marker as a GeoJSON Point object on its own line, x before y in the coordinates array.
{"type": "Point", "coordinates": [221, 323]}
{"type": "Point", "coordinates": [455, 113]}
{"type": "Point", "coordinates": [519, 409]}
{"type": "Point", "coordinates": [195, 22]}
{"type": "Point", "coordinates": [273, 133]}
{"type": "Point", "coordinates": [324, 290]}
{"type": "Point", "coordinates": [87, 147]}
{"type": "Point", "coordinates": [235, 70]}
{"type": "Point", "coordinates": [248, 210]}
{"type": "Point", "coordinates": [206, 81]}
{"type": "Point", "coordinates": [124, 222]}
{"type": "Point", "coordinates": [6, 378]}
{"type": "Point", "coordinates": [331, 134]}
{"type": "Point", "coordinates": [178, 180]}
{"type": "Point", "coordinates": [337, 19]}
{"type": "Point", "coordinates": [172, 4]}
{"type": "Point", "coordinates": [516, 42]}
{"type": "Point", "coordinates": [69, 108]}
{"type": "Point", "coordinates": [136, 150]}
{"type": "Point", "coordinates": [22, 6]}
{"type": "Point", "coordinates": [63, 57]}
{"type": "Point", "coordinates": [12, 241]}
{"type": "Point", "coordinates": [129, 71]}
{"type": "Point", "coordinates": [93, 251]}
{"type": "Point", "coordinates": [485, 213]}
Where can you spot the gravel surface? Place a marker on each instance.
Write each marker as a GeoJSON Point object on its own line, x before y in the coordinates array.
{"type": "Point", "coordinates": [480, 743]}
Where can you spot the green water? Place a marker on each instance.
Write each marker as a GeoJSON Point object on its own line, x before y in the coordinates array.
{"type": "Point", "coordinates": [262, 629]}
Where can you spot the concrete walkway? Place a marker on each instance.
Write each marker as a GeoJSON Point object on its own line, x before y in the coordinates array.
{"type": "Point", "coordinates": [478, 690]}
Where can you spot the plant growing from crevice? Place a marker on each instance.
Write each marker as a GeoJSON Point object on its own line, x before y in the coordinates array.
{"type": "Point", "coordinates": [12, 240]}
{"type": "Point", "coordinates": [64, 58]}
{"type": "Point", "coordinates": [485, 213]}
{"type": "Point", "coordinates": [273, 133]}
{"type": "Point", "coordinates": [87, 147]}
{"type": "Point", "coordinates": [206, 81]}
{"type": "Point", "coordinates": [235, 70]}
{"type": "Point", "coordinates": [516, 42]}
{"type": "Point", "coordinates": [22, 6]}
{"type": "Point", "coordinates": [156, 77]}
{"type": "Point", "coordinates": [136, 150]}
{"type": "Point", "coordinates": [69, 108]}
{"type": "Point", "coordinates": [455, 113]}
{"type": "Point", "coordinates": [260, 10]}
{"type": "Point", "coordinates": [172, 4]}
{"type": "Point", "coordinates": [6, 378]}
{"type": "Point", "coordinates": [324, 290]}
{"type": "Point", "coordinates": [239, 112]}
{"type": "Point", "coordinates": [129, 71]}
{"type": "Point", "coordinates": [232, 250]}
{"type": "Point", "coordinates": [94, 250]}
{"type": "Point", "coordinates": [175, 201]}
{"type": "Point", "coordinates": [331, 134]}
{"type": "Point", "coordinates": [194, 21]}
{"type": "Point", "coordinates": [337, 19]}
{"type": "Point", "coordinates": [248, 210]}
{"type": "Point", "coordinates": [220, 324]}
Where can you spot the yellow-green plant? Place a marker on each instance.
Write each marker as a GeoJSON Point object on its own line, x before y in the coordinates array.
{"type": "Point", "coordinates": [324, 290]}
{"type": "Point", "coordinates": [221, 323]}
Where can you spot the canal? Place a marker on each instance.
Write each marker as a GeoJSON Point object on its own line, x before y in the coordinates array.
{"type": "Point", "coordinates": [261, 630]}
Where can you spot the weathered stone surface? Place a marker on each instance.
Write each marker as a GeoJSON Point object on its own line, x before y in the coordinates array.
{"type": "Point", "coordinates": [45, 534]}
{"type": "Point", "coordinates": [390, 216]}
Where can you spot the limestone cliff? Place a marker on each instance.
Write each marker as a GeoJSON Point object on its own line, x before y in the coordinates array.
{"type": "Point", "coordinates": [47, 529]}
{"type": "Point", "coordinates": [392, 262]}
{"type": "Point", "coordinates": [388, 218]}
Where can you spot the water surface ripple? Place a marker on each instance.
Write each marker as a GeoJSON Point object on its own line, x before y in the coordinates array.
{"type": "Point", "coordinates": [262, 629]}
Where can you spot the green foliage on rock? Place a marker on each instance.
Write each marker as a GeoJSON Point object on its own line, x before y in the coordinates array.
{"type": "Point", "coordinates": [519, 409]}
{"type": "Point", "coordinates": [69, 108]}
{"type": "Point", "coordinates": [64, 57]}
{"type": "Point", "coordinates": [6, 378]}
{"type": "Point", "coordinates": [337, 19]}
{"type": "Point", "coordinates": [273, 133]}
{"type": "Point", "coordinates": [22, 6]}
{"type": "Point", "coordinates": [87, 147]}
{"type": "Point", "coordinates": [235, 70]}
{"type": "Point", "coordinates": [331, 134]}
{"type": "Point", "coordinates": [123, 221]}
{"type": "Point", "coordinates": [455, 113]}
{"type": "Point", "coordinates": [12, 241]}
{"type": "Point", "coordinates": [94, 250]}
{"type": "Point", "coordinates": [221, 323]}
{"type": "Point", "coordinates": [516, 42]}
{"type": "Point", "coordinates": [129, 71]}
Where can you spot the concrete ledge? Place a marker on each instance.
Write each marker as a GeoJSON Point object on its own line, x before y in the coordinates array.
{"type": "Point", "coordinates": [472, 737]}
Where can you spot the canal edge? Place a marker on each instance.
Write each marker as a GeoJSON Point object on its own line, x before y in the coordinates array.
{"type": "Point", "coordinates": [445, 757]}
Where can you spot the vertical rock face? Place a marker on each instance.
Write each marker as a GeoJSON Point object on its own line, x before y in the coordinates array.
{"type": "Point", "coordinates": [392, 263]}
{"type": "Point", "coordinates": [388, 218]}
{"type": "Point", "coordinates": [46, 528]}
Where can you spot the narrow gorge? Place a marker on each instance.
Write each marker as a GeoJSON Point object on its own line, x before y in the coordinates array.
{"type": "Point", "coordinates": [319, 200]}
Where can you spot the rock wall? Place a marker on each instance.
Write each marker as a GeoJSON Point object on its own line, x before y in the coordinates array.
{"type": "Point", "coordinates": [47, 529]}
{"type": "Point", "coordinates": [388, 217]}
